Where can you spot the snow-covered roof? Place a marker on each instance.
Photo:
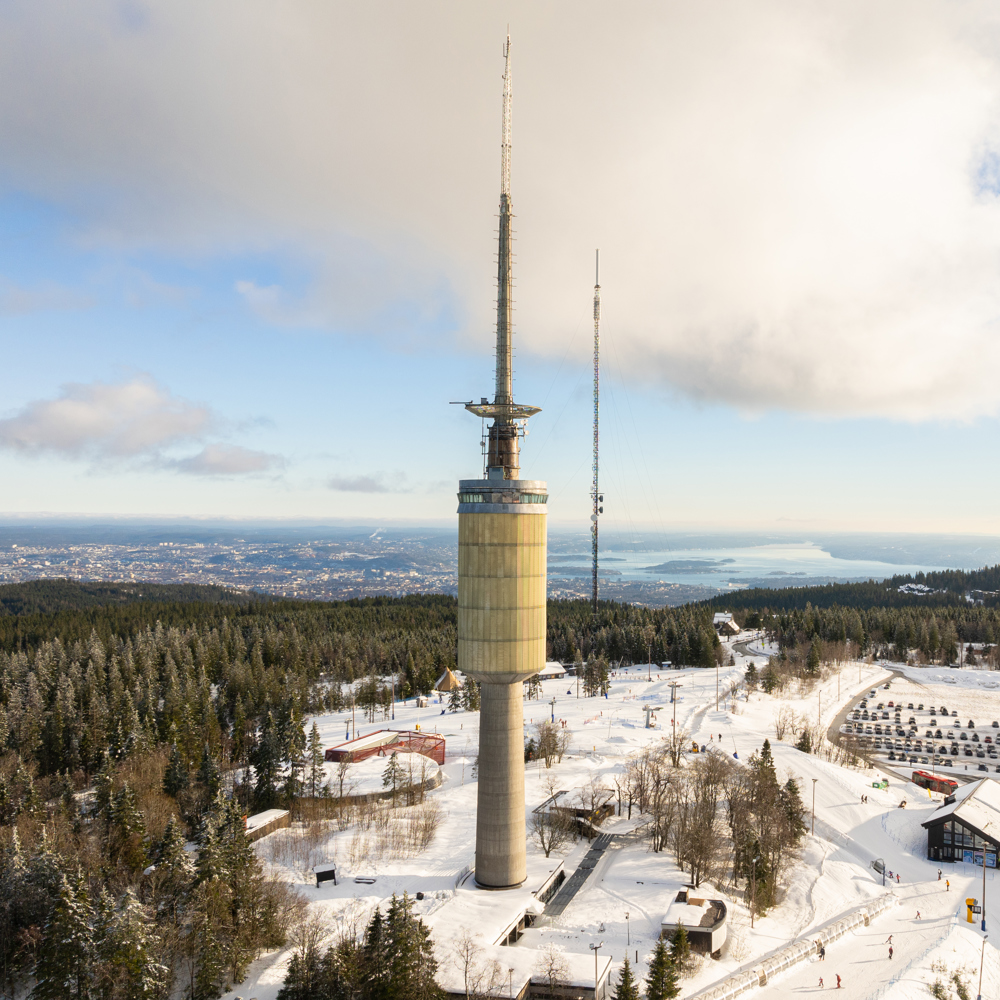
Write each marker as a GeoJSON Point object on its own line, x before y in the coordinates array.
{"type": "Point", "coordinates": [976, 804]}
{"type": "Point", "coordinates": [262, 819]}
{"type": "Point", "coordinates": [693, 911]}
{"type": "Point", "coordinates": [721, 617]}
{"type": "Point", "coordinates": [552, 669]}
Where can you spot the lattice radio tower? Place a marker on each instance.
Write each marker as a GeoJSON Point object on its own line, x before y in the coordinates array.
{"type": "Point", "coordinates": [595, 490]}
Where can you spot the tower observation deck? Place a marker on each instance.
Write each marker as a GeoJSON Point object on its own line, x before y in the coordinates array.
{"type": "Point", "coordinates": [502, 582]}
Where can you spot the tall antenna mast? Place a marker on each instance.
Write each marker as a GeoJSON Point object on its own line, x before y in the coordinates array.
{"type": "Point", "coordinates": [595, 490]}
{"type": "Point", "coordinates": [509, 418]}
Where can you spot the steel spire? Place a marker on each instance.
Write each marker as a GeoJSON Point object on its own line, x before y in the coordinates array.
{"type": "Point", "coordinates": [503, 458]}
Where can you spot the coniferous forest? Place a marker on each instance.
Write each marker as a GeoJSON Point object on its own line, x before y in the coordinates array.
{"type": "Point", "coordinates": [130, 716]}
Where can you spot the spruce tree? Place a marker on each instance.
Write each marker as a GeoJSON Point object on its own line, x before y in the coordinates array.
{"type": "Point", "coordinates": [627, 989]}
{"type": "Point", "coordinates": [375, 963]}
{"type": "Point", "coordinates": [661, 980]}
{"type": "Point", "coordinates": [208, 772]}
{"type": "Point", "coordinates": [680, 948]}
{"type": "Point", "coordinates": [392, 775]}
{"type": "Point", "coordinates": [315, 758]}
{"type": "Point", "coordinates": [175, 870]}
{"type": "Point", "coordinates": [126, 946]}
{"type": "Point", "coordinates": [804, 742]}
{"type": "Point", "coordinates": [412, 965]}
{"type": "Point", "coordinates": [266, 760]}
{"type": "Point", "coordinates": [813, 660]}
{"type": "Point", "coordinates": [65, 969]}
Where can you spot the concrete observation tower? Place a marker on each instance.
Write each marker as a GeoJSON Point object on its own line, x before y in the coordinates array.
{"type": "Point", "coordinates": [501, 585]}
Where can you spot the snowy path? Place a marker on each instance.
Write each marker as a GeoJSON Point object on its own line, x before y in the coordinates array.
{"type": "Point", "coordinates": [862, 958]}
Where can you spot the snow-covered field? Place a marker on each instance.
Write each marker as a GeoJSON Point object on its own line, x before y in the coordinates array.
{"type": "Point", "coordinates": [832, 877]}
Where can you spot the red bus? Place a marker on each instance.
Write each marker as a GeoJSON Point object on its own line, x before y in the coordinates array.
{"type": "Point", "coordinates": [934, 782]}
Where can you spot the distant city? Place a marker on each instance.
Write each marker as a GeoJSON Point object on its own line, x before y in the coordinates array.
{"type": "Point", "coordinates": [337, 563]}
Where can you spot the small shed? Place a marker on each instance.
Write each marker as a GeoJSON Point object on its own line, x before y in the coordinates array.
{"type": "Point", "coordinates": [704, 919]}
{"type": "Point", "coordinates": [263, 823]}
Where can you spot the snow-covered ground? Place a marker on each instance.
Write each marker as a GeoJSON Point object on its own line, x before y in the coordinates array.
{"type": "Point", "coordinates": [832, 876]}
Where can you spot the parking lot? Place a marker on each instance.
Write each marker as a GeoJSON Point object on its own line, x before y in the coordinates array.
{"type": "Point", "coordinates": [897, 729]}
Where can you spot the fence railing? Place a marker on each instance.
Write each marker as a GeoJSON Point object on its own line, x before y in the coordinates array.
{"type": "Point", "coordinates": [777, 962]}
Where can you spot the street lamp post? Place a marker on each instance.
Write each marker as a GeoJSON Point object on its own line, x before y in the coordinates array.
{"type": "Point", "coordinates": [984, 894]}
{"type": "Point", "coordinates": [628, 936]}
{"type": "Point", "coordinates": [595, 948]}
{"type": "Point", "coordinates": [982, 955]}
{"type": "Point", "coordinates": [717, 687]}
{"type": "Point", "coordinates": [510, 983]}
{"type": "Point", "coordinates": [753, 889]}
{"type": "Point", "coordinates": [813, 832]}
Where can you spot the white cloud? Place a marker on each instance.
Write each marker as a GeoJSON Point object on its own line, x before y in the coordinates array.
{"type": "Point", "coordinates": [120, 420]}
{"type": "Point", "coordinates": [374, 483]}
{"type": "Point", "coordinates": [137, 419]}
{"type": "Point", "coordinates": [797, 202]}
{"type": "Point", "coordinates": [227, 460]}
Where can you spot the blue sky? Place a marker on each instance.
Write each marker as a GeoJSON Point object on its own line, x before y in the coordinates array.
{"type": "Point", "coordinates": [232, 284]}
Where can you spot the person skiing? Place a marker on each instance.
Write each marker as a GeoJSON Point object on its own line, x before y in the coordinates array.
{"type": "Point", "coordinates": [918, 914]}
{"type": "Point", "coordinates": [821, 982]}
{"type": "Point", "coordinates": [939, 874]}
{"type": "Point", "coordinates": [888, 940]}
{"type": "Point", "coordinates": [947, 886]}
{"type": "Point", "coordinates": [822, 953]}
{"type": "Point", "coordinates": [897, 878]}
{"type": "Point", "coordinates": [890, 951]}
{"type": "Point", "coordinates": [838, 982]}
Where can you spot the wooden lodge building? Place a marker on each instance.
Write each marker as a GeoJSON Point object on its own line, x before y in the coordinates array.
{"type": "Point", "coordinates": [967, 826]}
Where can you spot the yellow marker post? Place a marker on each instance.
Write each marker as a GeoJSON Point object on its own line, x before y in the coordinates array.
{"type": "Point", "coordinates": [970, 905]}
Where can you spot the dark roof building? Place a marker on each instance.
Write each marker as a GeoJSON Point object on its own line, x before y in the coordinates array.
{"type": "Point", "coordinates": [967, 826]}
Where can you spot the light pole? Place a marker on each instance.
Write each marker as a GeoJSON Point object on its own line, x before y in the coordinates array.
{"type": "Point", "coordinates": [595, 948]}
{"type": "Point", "coordinates": [982, 955]}
{"type": "Point", "coordinates": [753, 889]}
{"type": "Point", "coordinates": [717, 687]}
{"type": "Point", "coordinates": [628, 936]}
{"type": "Point", "coordinates": [813, 833]}
{"type": "Point", "coordinates": [510, 982]}
{"type": "Point", "coordinates": [984, 896]}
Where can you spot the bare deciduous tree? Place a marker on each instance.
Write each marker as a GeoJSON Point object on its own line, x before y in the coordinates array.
{"type": "Point", "coordinates": [551, 828]}
{"type": "Point", "coordinates": [783, 721]}
{"type": "Point", "coordinates": [482, 978]}
{"type": "Point", "coordinates": [551, 968]}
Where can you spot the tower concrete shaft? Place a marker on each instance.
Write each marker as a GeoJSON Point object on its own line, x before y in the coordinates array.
{"type": "Point", "coordinates": [502, 586]}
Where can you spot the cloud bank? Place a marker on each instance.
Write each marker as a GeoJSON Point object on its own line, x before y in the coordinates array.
{"type": "Point", "coordinates": [797, 202]}
{"type": "Point", "coordinates": [132, 420]}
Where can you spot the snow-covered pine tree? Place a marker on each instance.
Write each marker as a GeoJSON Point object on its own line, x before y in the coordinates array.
{"type": "Point", "coordinates": [661, 980]}
{"type": "Point", "coordinates": [455, 699]}
{"type": "Point", "coordinates": [65, 968]}
{"type": "Point", "coordinates": [127, 830]}
{"type": "Point", "coordinates": [175, 778]}
{"type": "Point", "coordinates": [127, 946]}
{"type": "Point", "coordinates": [412, 965]}
{"type": "Point", "coordinates": [627, 988]}
{"type": "Point", "coordinates": [470, 695]}
{"type": "Point", "coordinates": [375, 960]}
{"type": "Point", "coordinates": [175, 871]}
